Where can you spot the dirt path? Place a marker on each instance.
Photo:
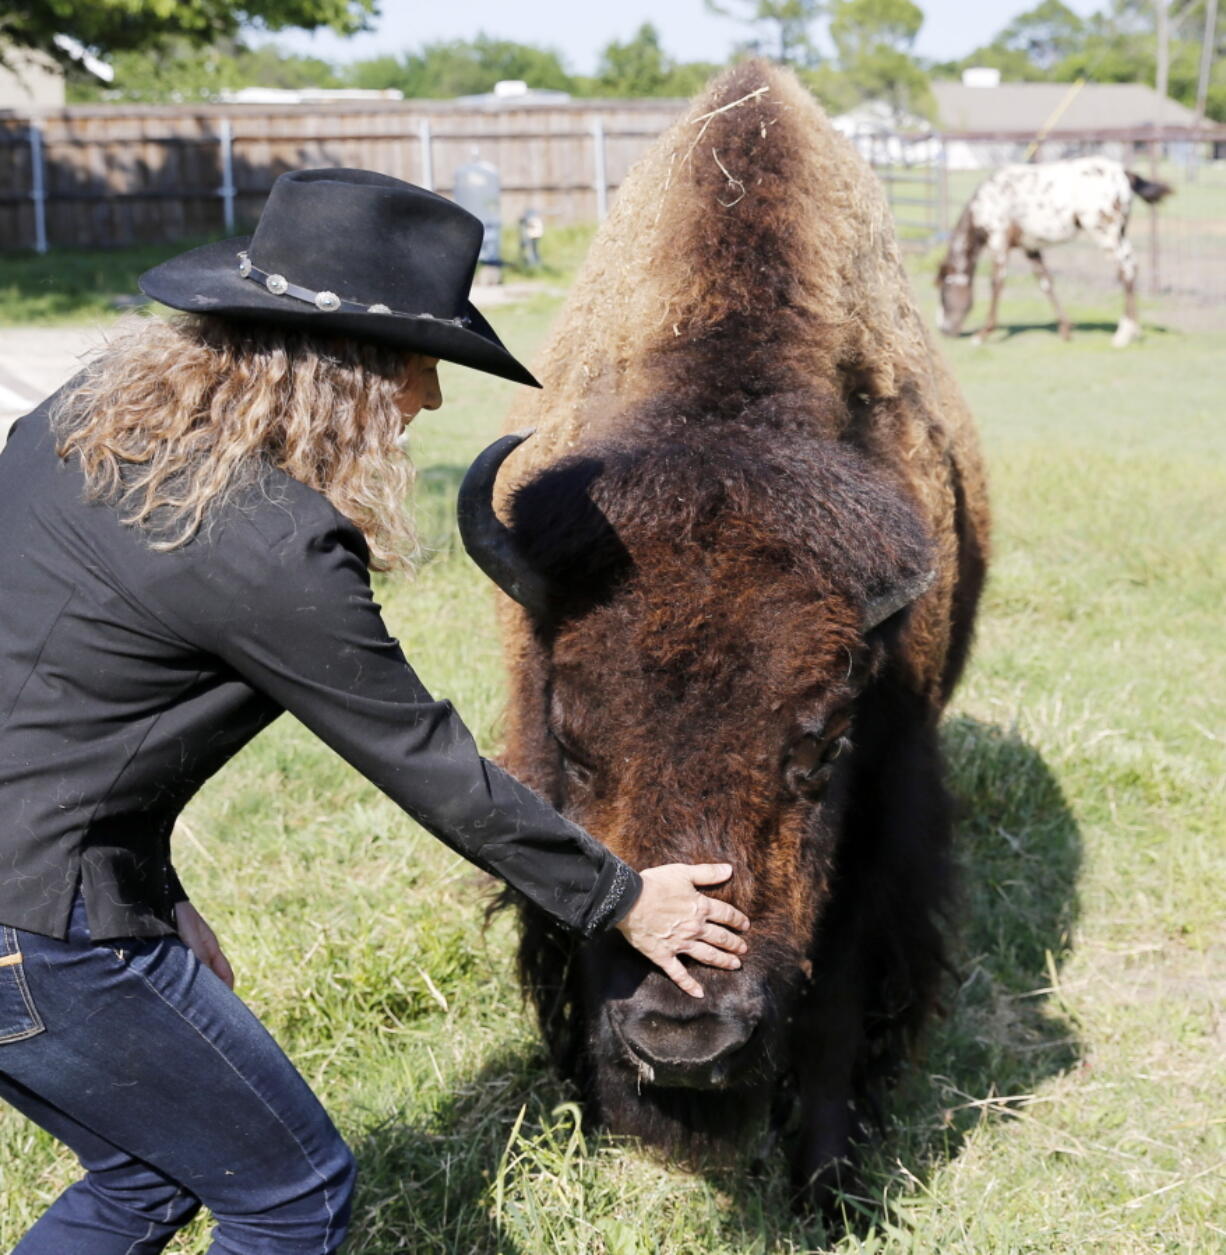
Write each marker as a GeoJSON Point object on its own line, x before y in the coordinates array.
{"type": "Point", "coordinates": [34, 361]}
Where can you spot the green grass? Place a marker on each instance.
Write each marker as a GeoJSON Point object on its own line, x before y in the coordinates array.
{"type": "Point", "coordinates": [1073, 1100]}
{"type": "Point", "coordinates": [76, 285]}
{"type": "Point", "coordinates": [72, 285]}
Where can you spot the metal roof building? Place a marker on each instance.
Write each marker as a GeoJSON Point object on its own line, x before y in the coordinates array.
{"type": "Point", "coordinates": [1028, 107]}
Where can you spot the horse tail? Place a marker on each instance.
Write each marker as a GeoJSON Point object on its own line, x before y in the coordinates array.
{"type": "Point", "coordinates": [1149, 190]}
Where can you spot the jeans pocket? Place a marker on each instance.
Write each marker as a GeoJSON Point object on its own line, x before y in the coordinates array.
{"type": "Point", "coordinates": [19, 1017]}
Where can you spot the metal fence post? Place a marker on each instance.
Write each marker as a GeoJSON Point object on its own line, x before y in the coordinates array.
{"type": "Point", "coordinates": [226, 190]}
{"type": "Point", "coordinates": [601, 179]}
{"type": "Point", "coordinates": [1155, 283]}
{"type": "Point", "coordinates": [38, 188]}
{"type": "Point", "coordinates": [942, 191]}
{"type": "Point", "coordinates": [427, 155]}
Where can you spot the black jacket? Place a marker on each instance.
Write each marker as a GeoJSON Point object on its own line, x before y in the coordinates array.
{"type": "Point", "coordinates": [128, 677]}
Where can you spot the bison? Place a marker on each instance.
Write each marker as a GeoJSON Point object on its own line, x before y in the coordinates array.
{"type": "Point", "coordinates": [745, 546]}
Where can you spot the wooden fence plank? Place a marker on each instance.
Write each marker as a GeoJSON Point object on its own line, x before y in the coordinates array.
{"type": "Point", "coordinates": [120, 173]}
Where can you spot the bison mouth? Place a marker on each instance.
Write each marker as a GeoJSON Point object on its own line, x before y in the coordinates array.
{"type": "Point", "coordinates": [710, 1051]}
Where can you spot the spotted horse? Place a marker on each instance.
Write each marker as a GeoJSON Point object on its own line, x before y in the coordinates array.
{"type": "Point", "coordinates": [1031, 206]}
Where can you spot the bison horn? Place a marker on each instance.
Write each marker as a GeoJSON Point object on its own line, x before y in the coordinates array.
{"type": "Point", "coordinates": [891, 602]}
{"type": "Point", "coordinates": [488, 540]}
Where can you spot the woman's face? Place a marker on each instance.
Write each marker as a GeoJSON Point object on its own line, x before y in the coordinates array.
{"type": "Point", "coordinates": [420, 390]}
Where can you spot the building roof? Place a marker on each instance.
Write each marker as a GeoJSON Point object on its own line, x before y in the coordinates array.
{"type": "Point", "coordinates": [1029, 106]}
{"type": "Point", "coordinates": [877, 117]}
{"type": "Point", "coordinates": [30, 79]}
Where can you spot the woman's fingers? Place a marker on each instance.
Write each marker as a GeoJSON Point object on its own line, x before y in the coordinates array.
{"type": "Point", "coordinates": [210, 954]}
{"type": "Point", "coordinates": [672, 917]}
{"type": "Point", "coordinates": [722, 939]}
{"type": "Point", "coordinates": [707, 873]}
{"type": "Point", "coordinates": [711, 956]}
{"type": "Point", "coordinates": [725, 913]}
{"type": "Point", "coordinates": [221, 965]}
{"type": "Point", "coordinates": [202, 941]}
{"type": "Point", "coordinates": [674, 969]}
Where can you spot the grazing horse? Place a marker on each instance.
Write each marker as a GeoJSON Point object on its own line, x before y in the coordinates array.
{"type": "Point", "coordinates": [747, 540]}
{"type": "Point", "coordinates": [1028, 207]}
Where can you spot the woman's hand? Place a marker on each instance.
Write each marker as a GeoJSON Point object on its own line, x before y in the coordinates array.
{"type": "Point", "coordinates": [671, 917]}
{"type": "Point", "coordinates": [202, 941]}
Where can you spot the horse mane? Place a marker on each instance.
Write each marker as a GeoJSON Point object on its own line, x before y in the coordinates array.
{"type": "Point", "coordinates": [965, 242]}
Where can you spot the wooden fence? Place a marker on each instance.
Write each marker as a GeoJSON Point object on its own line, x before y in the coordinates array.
{"type": "Point", "coordinates": [104, 175]}
{"type": "Point", "coordinates": [107, 175]}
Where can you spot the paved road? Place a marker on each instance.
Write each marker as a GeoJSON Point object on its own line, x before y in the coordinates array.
{"type": "Point", "coordinates": [34, 361]}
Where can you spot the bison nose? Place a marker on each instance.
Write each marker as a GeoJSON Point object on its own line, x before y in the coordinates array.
{"type": "Point", "coordinates": [698, 1050]}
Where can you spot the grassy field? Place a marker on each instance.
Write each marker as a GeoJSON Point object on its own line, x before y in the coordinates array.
{"type": "Point", "coordinates": [1073, 1100]}
{"type": "Point", "coordinates": [90, 285]}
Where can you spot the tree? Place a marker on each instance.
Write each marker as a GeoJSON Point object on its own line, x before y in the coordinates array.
{"type": "Point", "coordinates": [873, 39]}
{"type": "Point", "coordinates": [641, 67]}
{"type": "Point", "coordinates": [1044, 35]}
{"type": "Point", "coordinates": [636, 68]}
{"type": "Point", "coordinates": [1117, 45]}
{"type": "Point", "coordinates": [178, 69]}
{"type": "Point", "coordinates": [1014, 66]}
{"type": "Point", "coordinates": [1050, 42]}
{"type": "Point", "coordinates": [788, 20]}
{"type": "Point", "coordinates": [111, 26]}
{"type": "Point", "coordinates": [461, 67]}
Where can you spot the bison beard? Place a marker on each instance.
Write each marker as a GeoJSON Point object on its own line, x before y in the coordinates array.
{"type": "Point", "coordinates": [731, 650]}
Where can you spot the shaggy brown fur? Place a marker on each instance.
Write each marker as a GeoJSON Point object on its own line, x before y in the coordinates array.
{"type": "Point", "coordinates": [745, 436]}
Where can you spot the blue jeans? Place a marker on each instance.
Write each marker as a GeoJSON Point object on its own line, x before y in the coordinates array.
{"type": "Point", "coordinates": [171, 1093]}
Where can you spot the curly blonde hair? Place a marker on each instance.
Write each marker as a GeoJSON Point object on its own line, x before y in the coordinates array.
{"type": "Point", "coordinates": [174, 418]}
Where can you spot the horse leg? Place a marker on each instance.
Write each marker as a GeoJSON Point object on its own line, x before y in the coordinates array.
{"type": "Point", "coordinates": [1042, 274]}
{"type": "Point", "coordinates": [1000, 263]}
{"type": "Point", "coordinates": [1130, 325]}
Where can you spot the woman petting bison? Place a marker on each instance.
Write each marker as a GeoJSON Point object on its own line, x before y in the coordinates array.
{"type": "Point", "coordinates": [746, 542]}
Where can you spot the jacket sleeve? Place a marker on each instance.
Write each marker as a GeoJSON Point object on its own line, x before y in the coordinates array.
{"type": "Point", "coordinates": [297, 619]}
{"type": "Point", "coordinates": [174, 887]}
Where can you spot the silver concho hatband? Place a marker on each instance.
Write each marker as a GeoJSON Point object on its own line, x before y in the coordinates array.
{"type": "Point", "coordinates": [327, 302]}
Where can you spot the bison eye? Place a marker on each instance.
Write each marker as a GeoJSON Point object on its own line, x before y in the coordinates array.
{"type": "Point", "coordinates": [579, 772]}
{"type": "Point", "coordinates": [809, 764]}
{"type": "Point", "coordinates": [577, 767]}
{"type": "Point", "coordinates": [836, 749]}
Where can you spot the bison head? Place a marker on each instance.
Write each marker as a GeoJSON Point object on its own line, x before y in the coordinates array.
{"type": "Point", "coordinates": [704, 617]}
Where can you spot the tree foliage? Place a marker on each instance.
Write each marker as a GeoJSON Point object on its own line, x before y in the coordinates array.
{"type": "Point", "coordinates": [1044, 35]}
{"type": "Point", "coordinates": [1118, 45]}
{"type": "Point", "coordinates": [190, 49]}
{"type": "Point", "coordinates": [179, 70]}
{"type": "Point", "coordinates": [635, 68]}
{"type": "Point", "coordinates": [112, 26]}
{"type": "Point", "coordinates": [641, 67]}
{"type": "Point", "coordinates": [874, 39]}
{"type": "Point", "coordinates": [787, 26]}
{"type": "Point", "coordinates": [462, 67]}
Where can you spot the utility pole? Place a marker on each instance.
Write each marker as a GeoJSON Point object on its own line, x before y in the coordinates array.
{"type": "Point", "coordinates": [1207, 47]}
{"type": "Point", "coordinates": [1164, 48]}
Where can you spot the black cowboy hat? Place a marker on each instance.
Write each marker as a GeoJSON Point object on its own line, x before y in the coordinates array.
{"type": "Point", "coordinates": [354, 253]}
